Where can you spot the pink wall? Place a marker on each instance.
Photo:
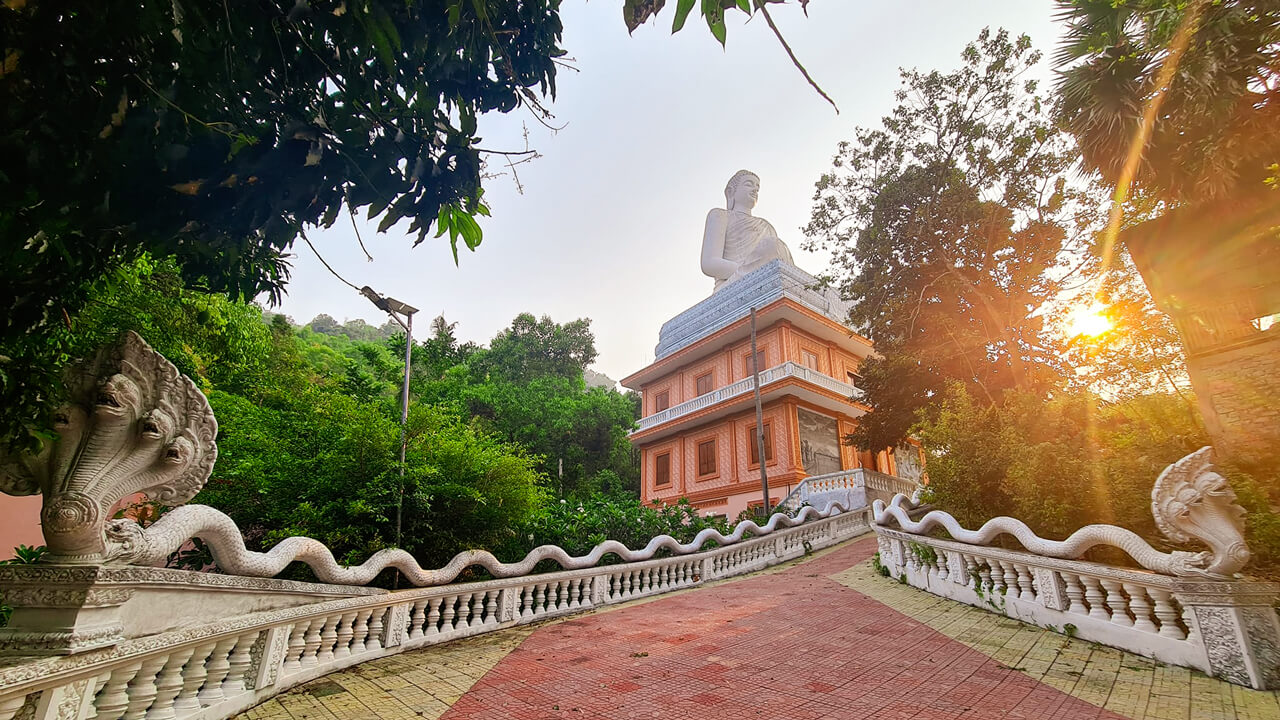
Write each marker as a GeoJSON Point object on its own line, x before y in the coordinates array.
{"type": "Point", "coordinates": [19, 523]}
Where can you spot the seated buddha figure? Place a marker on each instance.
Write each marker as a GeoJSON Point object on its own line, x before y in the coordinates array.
{"type": "Point", "coordinates": [736, 242]}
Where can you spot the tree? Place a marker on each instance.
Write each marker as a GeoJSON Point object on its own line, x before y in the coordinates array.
{"type": "Point", "coordinates": [540, 348]}
{"type": "Point", "coordinates": [185, 131]}
{"type": "Point", "coordinates": [215, 138]}
{"type": "Point", "coordinates": [948, 228]}
{"type": "Point", "coordinates": [1055, 464]}
{"type": "Point", "coordinates": [1176, 105]}
{"type": "Point", "coordinates": [1214, 131]}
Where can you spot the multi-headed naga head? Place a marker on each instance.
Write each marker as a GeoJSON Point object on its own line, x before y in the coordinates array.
{"type": "Point", "coordinates": [132, 424]}
{"type": "Point", "coordinates": [1192, 501]}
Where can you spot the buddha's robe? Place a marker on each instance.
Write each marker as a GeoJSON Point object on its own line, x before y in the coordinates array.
{"type": "Point", "coordinates": [751, 242]}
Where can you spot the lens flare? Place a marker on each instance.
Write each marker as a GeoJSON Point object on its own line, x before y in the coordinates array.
{"type": "Point", "coordinates": [1088, 320]}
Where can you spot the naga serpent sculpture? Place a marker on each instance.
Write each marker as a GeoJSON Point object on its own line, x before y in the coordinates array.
{"type": "Point", "coordinates": [153, 544]}
{"type": "Point", "coordinates": [1190, 501]}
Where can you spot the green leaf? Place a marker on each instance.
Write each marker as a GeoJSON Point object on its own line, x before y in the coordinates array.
{"type": "Point", "coordinates": [683, 7]}
{"type": "Point", "coordinates": [745, 6]}
{"type": "Point", "coordinates": [718, 30]}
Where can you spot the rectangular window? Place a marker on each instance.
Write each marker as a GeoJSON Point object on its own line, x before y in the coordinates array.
{"type": "Point", "coordinates": [854, 379]}
{"type": "Point", "coordinates": [746, 362]}
{"type": "Point", "coordinates": [809, 359]}
{"type": "Point", "coordinates": [707, 457]}
{"type": "Point", "coordinates": [768, 443]}
{"type": "Point", "coordinates": [661, 401]}
{"type": "Point", "coordinates": [662, 469]}
{"type": "Point", "coordinates": [704, 384]}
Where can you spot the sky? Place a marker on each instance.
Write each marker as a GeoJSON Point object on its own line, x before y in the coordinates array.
{"type": "Point", "coordinates": [607, 223]}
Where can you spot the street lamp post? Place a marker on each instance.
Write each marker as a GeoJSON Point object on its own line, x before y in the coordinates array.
{"type": "Point", "coordinates": [395, 309]}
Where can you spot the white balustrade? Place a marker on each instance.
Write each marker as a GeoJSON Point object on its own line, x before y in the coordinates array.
{"type": "Point", "coordinates": [745, 386]}
{"type": "Point", "coordinates": [1135, 610]}
{"type": "Point", "coordinates": [218, 670]}
{"type": "Point", "coordinates": [853, 479]}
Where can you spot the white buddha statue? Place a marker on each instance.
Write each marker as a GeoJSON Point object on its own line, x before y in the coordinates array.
{"type": "Point", "coordinates": [735, 242]}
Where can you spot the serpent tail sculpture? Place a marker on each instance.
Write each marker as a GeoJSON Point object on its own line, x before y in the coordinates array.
{"type": "Point", "coordinates": [152, 545]}
{"type": "Point", "coordinates": [1190, 501]}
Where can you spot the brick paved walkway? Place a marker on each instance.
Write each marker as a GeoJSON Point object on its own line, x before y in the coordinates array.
{"type": "Point", "coordinates": [814, 639]}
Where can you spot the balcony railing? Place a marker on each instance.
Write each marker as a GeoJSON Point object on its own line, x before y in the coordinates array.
{"type": "Point", "coordinates": [742, 387]}
{"type": "Point", "coordinates": [855, 479]}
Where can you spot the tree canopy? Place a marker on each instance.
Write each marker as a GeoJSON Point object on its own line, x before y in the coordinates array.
{"type": "Point", "coordinates": [948, 227]}
{"type": "Point", "coordinates": [1212, 120]}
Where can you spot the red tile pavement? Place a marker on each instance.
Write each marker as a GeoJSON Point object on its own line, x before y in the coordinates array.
{"type": "Point", "coordinates": [791, 644]}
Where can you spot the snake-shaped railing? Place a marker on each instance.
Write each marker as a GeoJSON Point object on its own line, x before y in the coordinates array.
{"type": "Point", "coordinates": [151, 545]}
{"type": "Point", "coordinates": [1074, 546]}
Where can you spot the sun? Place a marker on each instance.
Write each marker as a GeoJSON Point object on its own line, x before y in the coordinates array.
{"type": "Point", "coordinates": [1088, 320]}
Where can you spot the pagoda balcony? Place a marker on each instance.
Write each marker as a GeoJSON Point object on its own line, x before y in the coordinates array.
{"type": "Point", "coordinates": [769, 378]}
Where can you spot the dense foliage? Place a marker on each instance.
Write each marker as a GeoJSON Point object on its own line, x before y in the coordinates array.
{"type": "Point", "coordinates": [1213, 130]}
{"type": "Point", "coordinates": [949, 227]}
{"type": "Point", "coordinates": [215, 136]}
{"type": "Point", "coordinates": [309, 426]}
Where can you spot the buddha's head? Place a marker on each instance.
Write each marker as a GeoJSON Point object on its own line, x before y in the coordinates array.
{"type": "Point", "coordinates": [743, 191]}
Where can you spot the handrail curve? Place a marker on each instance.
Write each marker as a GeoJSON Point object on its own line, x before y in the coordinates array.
{"type": "Point", "coordinates": [151, 545]}
{"type": "Point", "coordinates": [1178, 563]}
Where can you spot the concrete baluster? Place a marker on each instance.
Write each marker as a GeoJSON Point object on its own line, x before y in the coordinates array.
{"type": "Point", "coordinates": [1140, 608]}
{"type": "Point", "coordinates": [984, 572]}
{"type": "Point", "coordinates": [346, 631]}
{"type": "Point", "coordinates": [1075, 594]}
{"type": "Point", "coordinates": [1025, 583]}
{"type": "Point", "coordinates": [1010, 578]}
{"type": "Point", "coordinates": [464, 610]}
{"type": "Point", "coordinates": [418, 619]}
{"type": "Point", "coordinates": [477, 609]}
{"type": "Point", "coordinates": [1093, 594]}
{"type": "Point", "coordinates": [193, 677]}
{"type": "Point", "coordinates": [1117, 602]}
{"type": "Point", "coordinates": [973, 575]}
{"type": "Point", "coordinates": [942, 563]}
{"type": "Point", "coordinates": [218, 667]}
{"type": "Point", "coordinates": [446, 617]}
{"type": "Point", "coordinates": [293, 651]}
{"type": "Point", "coordinates": [374, 641]}
{"type": "Point", "coordinates": [113, 699]}
{"type": "Point", "coordinates": [540, 599]}
{"type": "Point", "coordinates": [142, 688]}
{"type": "Point", "coordinates": [328, 638]}
{"type": "Point", "coordinates": [433, 616]}
{"type": "Point", "coordinates": [311, 643]}
{"type": "Point", "coordinates": [1167, 613]}
{"type": "Point", "coordinates": [239, 660]}
{"type": "Point", "coordinates": [526, 602]}
{"type": "Point", "coordinates": [169, 685]}
{"type": "Point", "coordinates": [360, 632]}
{"type": "Point", "coordinates": [491, 607]}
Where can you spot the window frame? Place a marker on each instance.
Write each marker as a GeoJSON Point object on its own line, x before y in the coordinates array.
{"type": "Point", "coordinates": [761, 359]}
{"type": "Point", "coordinates": [657, 469]}
{"type": "Point", "coordinates": [715, 464]}
{"type": "Point", "coordinates": [753, 458]}
{"type": "Point", "coordinates": [661, 401]}
{"type": "Point", "coordinates": [709, 376]}
{"type": "Point", "coordinates": [805, 354]}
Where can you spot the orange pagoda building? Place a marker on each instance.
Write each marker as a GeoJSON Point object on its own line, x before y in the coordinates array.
{"type": "Point", "coordinates": [696, 434]}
